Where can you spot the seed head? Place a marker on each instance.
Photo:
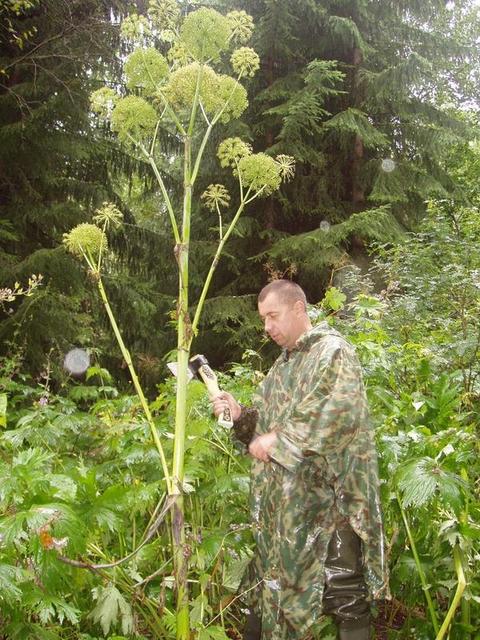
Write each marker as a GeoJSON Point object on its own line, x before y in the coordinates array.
{"type": "Point", "coordinates": [135, 116]}
{"type": "Point", "coordinates": [205, 33]}
{"type": "Point", "coordinates": [231, 150]}
{"type": "Point", "coordinates": [286, 164]}
{"type": "Point", "coordinates": [85, 239]}
{"type": "Point", "coordinates": [245, 62]}
{"type": "Point", "coordinates": [108, 215]}
{"type": "Point", "coordinates": [241, 24]}
{"type": "Point", "coordinates": [164, 13]}
{"type": "Point", "coordinates": [145, 69]}
{"type": "Point", "coordinates": [260, 172]}
{"type": "Point", "coordinates": [103, 101]}
{"type": "Point", "coordinates": [216, 195]}
{"type": "Point", "coordinates": [135, 28]}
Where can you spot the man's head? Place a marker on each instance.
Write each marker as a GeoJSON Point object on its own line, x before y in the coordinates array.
{"type": "Point", "coordinates": [282, 305]}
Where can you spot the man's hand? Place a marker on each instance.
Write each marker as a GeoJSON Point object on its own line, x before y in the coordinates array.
{"type": "Point", "coordinates": [224, 400]}
{"type": "Point", "coordinates": [261, 445]}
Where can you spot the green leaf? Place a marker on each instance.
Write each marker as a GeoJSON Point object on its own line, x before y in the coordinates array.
{"type": "Point", "coordinates": [212, 633]}
{"type": "Point", "coordinates": [111, 608]}
{"type": "Point", "coordinates": [417, 482]}
{"type": "Point", "coordinates": [334, 299]}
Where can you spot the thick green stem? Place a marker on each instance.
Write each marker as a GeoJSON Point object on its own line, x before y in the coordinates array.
{"type": "Point", "coordinates": [183, 343]}
{"type": "Point", "coordinates": [136, 382]}
{"type": "Point", "coordinates": [458, 560]}
{"type": "Point", "coordinates": [420, 570]}
{"type": "Point", "coordinates": [466, 610]}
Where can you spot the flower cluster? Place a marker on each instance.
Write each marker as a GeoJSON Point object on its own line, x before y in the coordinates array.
{"type": "Point", "coordinates": [135, 28]}
{"type": "Point", "coordinates": [164, 13]}
{"type": "Point", "coordinates": [205, 33]}
{"type": "Point", "coordinates": [103, 101]}
{"type": "Point", "coordinates": [241, 24]}
{"type": "Point", "coordinates": [85, 240]}
{"type": "Point", "coordinates": [145, 69]}
{"type": "Point", "coordinates": [134, 116]}
{"type": "Point", "coordinates": [108, 215]}
{"type": "Point", "coordinates": [231, 150]}
{"type": "Point", "coordinates": [178, 54]}
{"type": "Point", "coordinates": [232, 94]}
{"type": "Point", "coordinates": [215, 91]}
{"type": "Point", "coordinates": [245, 62]}
{"type": "Point", "coordinates": [260, 172]}
{"type": "Point", "coordinates": [286, 165]}
{"type": "Point", "coordinates": [181, 86]}
{"type": "Point", "coordinates": [216, 195]}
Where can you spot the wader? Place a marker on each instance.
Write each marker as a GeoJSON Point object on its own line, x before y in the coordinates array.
{"type": "Point", "coordinates": [345, 597]}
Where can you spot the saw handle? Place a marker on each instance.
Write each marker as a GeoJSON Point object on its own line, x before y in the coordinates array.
{"type": "Point", "coordinates": [210, 380]}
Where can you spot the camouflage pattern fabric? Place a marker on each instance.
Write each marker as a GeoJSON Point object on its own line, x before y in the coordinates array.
{"type": "Point", "coordinates": [323, 471]}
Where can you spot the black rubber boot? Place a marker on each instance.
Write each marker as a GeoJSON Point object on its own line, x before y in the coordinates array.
{"type": "Point", "coordinates": [362, 633]}
{"type": "Point", "coordinates": [253, 627]}
{"type": "Point", "coordinates": [345, 596]}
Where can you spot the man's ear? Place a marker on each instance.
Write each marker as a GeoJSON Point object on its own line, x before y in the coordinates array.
{"type": "Point", "coordinates": [299, 308]}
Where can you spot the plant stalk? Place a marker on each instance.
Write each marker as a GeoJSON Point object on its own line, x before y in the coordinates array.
{"type": "Point", "coordinates": [420, 570]}
{"type": "Point", "coordinates": [136, 383]}
{"type": "Point", "coordinates": [180, 559]}
{"type": "Point", "coordinates": [458, 560]}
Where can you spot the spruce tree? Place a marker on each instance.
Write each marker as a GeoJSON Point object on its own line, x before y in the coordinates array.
{"type": "Point", "coordinates": [54, 168]}
{"type": "Point", "coordinates": [364, 94]}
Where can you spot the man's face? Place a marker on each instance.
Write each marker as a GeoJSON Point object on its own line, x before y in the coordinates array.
{"type": "Point", "coordinates": [282, 321]}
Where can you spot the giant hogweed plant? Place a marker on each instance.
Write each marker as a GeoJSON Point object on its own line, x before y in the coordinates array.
{"type": "Point", "coordinates": [182, 95]}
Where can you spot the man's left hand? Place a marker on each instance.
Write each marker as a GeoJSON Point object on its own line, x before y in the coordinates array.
{"type": "Point", "coordinates": [261, 445]}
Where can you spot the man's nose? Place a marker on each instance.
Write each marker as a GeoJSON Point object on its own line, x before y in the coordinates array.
{"type": "Point", "coordinates": [267, 325]}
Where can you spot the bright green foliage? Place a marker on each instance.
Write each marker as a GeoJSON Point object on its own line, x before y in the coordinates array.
{"type": "Point", "coordinates": [111, 606]}
{"type": "Point", "coordinates": [83, 484]}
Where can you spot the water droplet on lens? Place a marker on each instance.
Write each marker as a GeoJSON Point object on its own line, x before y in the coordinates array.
{"type": "Point", "coordinates": [76, 361]}
{"type": "Point", "coordinates": [388, 165]}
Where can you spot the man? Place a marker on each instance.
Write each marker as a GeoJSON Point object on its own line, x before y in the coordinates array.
{"type": "Point", "coordinates": [314, 494]}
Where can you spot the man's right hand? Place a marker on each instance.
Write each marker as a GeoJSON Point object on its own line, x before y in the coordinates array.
{"type": "Point", "coordinates": [224, 400]}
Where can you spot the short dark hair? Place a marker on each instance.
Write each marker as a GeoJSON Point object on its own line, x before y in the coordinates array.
{"type": "Point", "coordinates": [288, 292]}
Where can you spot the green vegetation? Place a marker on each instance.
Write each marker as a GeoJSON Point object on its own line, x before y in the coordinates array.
{"type": "Point", "coordinates": [155, 171]}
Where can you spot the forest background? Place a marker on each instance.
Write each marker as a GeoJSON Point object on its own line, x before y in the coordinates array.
{"type": "Point", "coordinates": [378, 104]}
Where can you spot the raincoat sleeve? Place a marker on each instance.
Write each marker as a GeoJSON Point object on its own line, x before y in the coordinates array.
{"type": "Point", "coordinates": [328, 415]}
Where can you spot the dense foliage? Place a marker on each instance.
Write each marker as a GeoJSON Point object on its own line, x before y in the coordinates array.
{"type": "Point", "coordinates": [80, 484]}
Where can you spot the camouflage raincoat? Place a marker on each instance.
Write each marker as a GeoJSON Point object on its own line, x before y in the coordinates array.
{"type": "Point", "coordinates": [323, 471]}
